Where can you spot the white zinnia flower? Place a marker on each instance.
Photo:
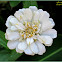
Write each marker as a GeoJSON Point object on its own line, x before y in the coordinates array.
{"type": "Point", "coordinates": [29, 30]}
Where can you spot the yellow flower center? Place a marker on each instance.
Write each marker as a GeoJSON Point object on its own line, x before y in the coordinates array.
{"type": "Point", "coordinates": [30, 30]}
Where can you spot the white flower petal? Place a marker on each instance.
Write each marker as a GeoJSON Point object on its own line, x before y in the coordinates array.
{"type": "Point", "coordinates": [34, 48]}
{"type": "Point", "coordinates": [51, 20]}
{"type": "Point", "coordinates": [47, 40]}
{"type": "Point", "coordinates": [20, 26]}
{"type": "Point", "coordinates": [27, 15]}
{"type": "Point", "coordinates": [14, 21]}
{"type": "Point", "coordinates": [28, 51]}
{"type": "Point", "coordinates": [8, 31]}
{"type": "Point", "coordinates": [18, 50]}
{"type": "Point", "coordinates": [22, 45]}
{"type": "Point", "coordinates": [8, 19]}
{"type": "Point", "coordinates": [41, 48]}
{"type": "Point", "coordinates": [13, 28]}
{"type": "Point", "coordinates": [47, 23]}
{"type": "Point", "coordinates": [34, 37]}
{"type": "Point", "coordinates": [40, 10]}
{"type": "Point", "coordinates": [33, 8]}
{"type": "Point", "coordinates": [6, 36]}
{"type": "Point", "coordinates": [12, 44]}
{"type": "Point", "coordinates": [50, 32]}
{"type": "Point", "coordinates": [29, 41]}
{"type": "Point", "coordinates": [22, 10]}
{"type": "Point", "coordinates": [12, 35]}
{"type": "Point", "coordinates": [36, 16]}
{"type": "Point", "coordinates": [39, 29]}
{"type": "Point", "coordinates": [19, 16]}
{"type": "Point", "coordinates": [43, 14]}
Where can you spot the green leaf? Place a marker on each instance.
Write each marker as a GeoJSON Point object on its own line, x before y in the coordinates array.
{"type": "Point", "coordinates": [3, 41]}
{"type": "Point", "coordinates": [52, 53]}
{"type": "Point", "coordinates": [2, 35]}
{"type": "Point", "coordinates": [14, 3]}
{"type": "Point", "coordinates": [26, 4]}
{"type": "Point", "coordinates": [8, 55]}
{"type": "Point", "coordinates": [14, 55]}
{"type": "Point", "coordinates": [56, 56]}
{"type": "Point", "coordinates": [4, 54]}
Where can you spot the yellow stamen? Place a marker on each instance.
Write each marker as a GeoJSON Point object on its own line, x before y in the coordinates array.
{"type": "Point", "coordinates": [20, 17]}
{"type": "Point", "coordinates": [29, 43]}
{"type": "Point", "coordinates": [16, 23]}
{"type": "Point", "coordinates": [22, 35]}
{"type": "Point", "coordinates": [30, 30]}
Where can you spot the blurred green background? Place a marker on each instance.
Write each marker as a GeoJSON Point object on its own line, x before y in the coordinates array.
{"type": "Point", "coordinates": [53, 53]}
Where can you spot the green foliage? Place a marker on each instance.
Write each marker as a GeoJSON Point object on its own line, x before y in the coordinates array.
{"type": "Point", "coordinates": [52, 55]}
{"type": "Point", "coordinates": [4, 54]}
{"type": "Point", "coordinates": [14, 3]}
{"type": "Point", "coordinates": [14, 56]}
{"type": "Point", "coordinates": [26, 4]}
{"type": "Point", "coordinates": [3, 41]}
{"type": "Point", "coordinates": [8, 55]}
{"type": "Point", "coordinates": [56, 55]}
